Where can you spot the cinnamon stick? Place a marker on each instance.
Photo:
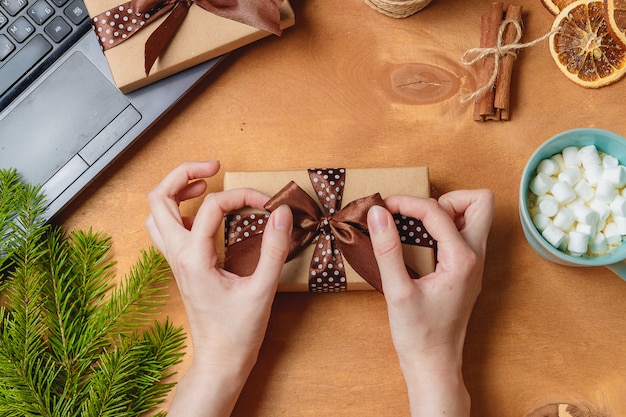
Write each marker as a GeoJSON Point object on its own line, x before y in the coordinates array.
{"type": "Point", "coordinates": [505, 69]}
{"type": "Point", "coordinates": [490, 26]}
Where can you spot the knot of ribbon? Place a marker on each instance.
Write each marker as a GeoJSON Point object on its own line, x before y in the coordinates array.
{"type": "Point", "coordinates": [120, 23]}
{"type": "Point", "coordinates": [336, 233]}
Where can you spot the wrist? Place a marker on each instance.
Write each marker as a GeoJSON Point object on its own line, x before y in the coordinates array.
{"type": "Point", "coordinates": [435, 385]}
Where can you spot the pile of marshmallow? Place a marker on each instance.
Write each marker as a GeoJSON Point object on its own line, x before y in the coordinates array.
{"type": "Point", "coordinates": [578, 201]}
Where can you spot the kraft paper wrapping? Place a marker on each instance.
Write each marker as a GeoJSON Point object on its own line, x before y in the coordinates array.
{"type": "Point", "coordinates": [359, 183]}
{"type": "Point", "coordinates": [202, 36]}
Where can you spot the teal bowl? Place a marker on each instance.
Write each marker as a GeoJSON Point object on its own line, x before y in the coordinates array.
{"type": "Point", "coordinates": [607, 142]}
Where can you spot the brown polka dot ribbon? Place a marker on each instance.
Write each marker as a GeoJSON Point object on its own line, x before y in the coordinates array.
{"type": "Point", "coordinates": [120, 23]}
{"type": "Point", "coordinates": [335, 232]}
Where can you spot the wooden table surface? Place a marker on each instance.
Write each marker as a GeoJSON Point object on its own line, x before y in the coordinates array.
{"type": "Point", "coordinates": [342, 88]}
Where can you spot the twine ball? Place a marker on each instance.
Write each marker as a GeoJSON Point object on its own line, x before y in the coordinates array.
{"type": "Point", "coordinates": [397, 8]}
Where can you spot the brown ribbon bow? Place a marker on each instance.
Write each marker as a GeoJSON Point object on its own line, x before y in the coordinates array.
{"type": "Point", "coordinates": [334, 233]}
{"type": "Point", "coordinates": [118, 24]}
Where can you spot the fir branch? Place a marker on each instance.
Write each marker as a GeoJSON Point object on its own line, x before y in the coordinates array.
{"type": "Point", "coordinates": [71, 342]}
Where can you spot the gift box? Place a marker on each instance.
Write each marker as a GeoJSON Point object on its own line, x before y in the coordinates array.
{"type": "Point", "coordinates": [354, 188]}
{"type": "Point", "coordinates": [202, 35]}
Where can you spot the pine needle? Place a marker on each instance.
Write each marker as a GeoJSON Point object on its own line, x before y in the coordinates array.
{"type": "Point", "coordinates": [71, 342]}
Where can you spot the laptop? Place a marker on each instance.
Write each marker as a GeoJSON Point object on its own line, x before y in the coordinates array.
{"type": "Point", "coordinates": [62, 119]}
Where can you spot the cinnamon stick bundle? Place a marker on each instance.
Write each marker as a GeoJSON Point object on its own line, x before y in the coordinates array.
{"type": "Point", "coordinates": [494, 104]}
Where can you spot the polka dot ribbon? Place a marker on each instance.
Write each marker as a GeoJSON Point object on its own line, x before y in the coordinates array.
{"type": "Point", "coordinates": [120, 23]}
{"type": "Point", "coordinates": [336, 233]}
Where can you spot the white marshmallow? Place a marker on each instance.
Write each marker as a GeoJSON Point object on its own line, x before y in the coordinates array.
{"type": "Point", "coordinates": [541, 221]}
{"type": "Point", "coordinates": [612, 234]}
{"type": "Point", "coordinates": [588, 229]}
{"type": "Point", "coordinates": [617, 175]}
{"type": "Point", "coordinates": [605, 191]}
{"type": "Point", "coordinates": [609, 161]}
{"type": "Point", "coordinates": [589, 156]}
{"type": "Point", "coordinates": [558, 158]}
{"type": "Point", "coordinates": [553, 235]}
{"type": "Point", "coordinates": [548, 167]}
{"type": "Point", "coordinates": [598, 244]}
{"type": "Point", "coordinates": [577, 244]}
{"type": "Point", "coordinates": [548, 205]}
{"type": "Point", "coordinates": [571, 157]}
{"type": "Point", "coordinates": [564, 219]}
{"type": "Point", "coordinates": [586, 215]}
{"type": "Point", "coordinates": [570, 175]}
{"type": "Point", "coordinates": [584, 190]}
{"type": "Point", "coordinates": [541, 184]}
{"type": "Point", "coordinates": [618, 206]}
{"type": "Point", "coordinates": [563, 192]}
{"type": "Point", "coordinates": [620, 221]}
{"type": "Point", "coordinates": [602, 209]}
{"type": "Point", "coordinates": [593, 174]}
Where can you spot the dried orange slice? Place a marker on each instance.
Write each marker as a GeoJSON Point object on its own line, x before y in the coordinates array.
{"type": "Point", "coordinates": [555, 6]}
{"type": "Point", "coordinates": [616, 18]}
{"type": "Point", "coordinates": [583, 48]}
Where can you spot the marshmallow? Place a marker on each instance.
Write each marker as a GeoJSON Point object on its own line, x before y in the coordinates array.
{"type": "Point", "coordinates": [609, 161]}
{"type": "Point", "coordinates": [586, 215]}
{"type": "Point", "coordinates": [620, 221]}
{"type": "Point", "coordinates": [548, 166]}
{"type": "Point", "coordinates": [564, 219]}
{"type": "Point", "coordinates": [593, 174]}
{"type": "Point", "coordinates": [558, 159]}
{"type": "Point", "coordinates": [541, 221]}
{"type": "Point", "coordinates": [587, 229]}
{"type": "Point", "coordinates": [570, 175]}
{"type": "Point", "coordinates": [589, 156]}
{"type": "Point", "coordinates": [548, 205]}
{"type": "Point", "coordinates": [618, 206]}
{"type": "Point", "coordinates": [584, 190]}
{"type": "Point", "coordinates": [541, 184]}
{"type": "Point", "coordinates": [577, 244]}
{"type": "Point", "coordinates": [598, 244]}
{"type": "Point", "coordinates": [563, 192]}
{"type": "Point", "coordinates": [602, 209]}
{"type": "Point", "coordinates": [571, 157]}
{"type": "Point", "coordinates": [617, 175]}
{"type": "Point", "coordinates": [553, 235]}
{"type": "Point", "coordinates": [605, 191]}
{"type": "Point", "coordinates": [612, 234]}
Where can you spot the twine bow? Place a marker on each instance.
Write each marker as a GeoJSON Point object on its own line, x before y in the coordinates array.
{"type": "Point", "coordinates": [335, 233]}
{"type": "Point", "coordinates": [120, 23]}
{"type": "Point", "coordinates": [474, 55]}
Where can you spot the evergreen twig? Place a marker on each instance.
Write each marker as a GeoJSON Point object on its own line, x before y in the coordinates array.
{"type": "Point", "coordinates": [71, 342]}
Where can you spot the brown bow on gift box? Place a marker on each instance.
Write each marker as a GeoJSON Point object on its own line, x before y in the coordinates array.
{"type": "Point", "coordinates": [116, 25]}
{"type": "Point", "coordinates": [335, 233]}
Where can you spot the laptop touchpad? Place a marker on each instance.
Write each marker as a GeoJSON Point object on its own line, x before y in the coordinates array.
{"type": "Point", "coordinates": [60, 117]}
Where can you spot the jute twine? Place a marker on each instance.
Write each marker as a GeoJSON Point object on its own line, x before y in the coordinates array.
{"type": "Point", "coordinates": [473, 55]}
{"type": "Point", "coordinates": [397, 8]}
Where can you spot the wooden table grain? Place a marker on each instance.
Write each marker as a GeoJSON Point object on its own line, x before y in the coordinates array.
{"type": "Point", "coordinates": [350, 87]}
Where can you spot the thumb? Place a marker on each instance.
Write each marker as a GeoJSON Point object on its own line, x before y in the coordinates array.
{"type": "Point", "coordinates": [275, 245]}
{"type": "Point", "coordinates": [387, 250]}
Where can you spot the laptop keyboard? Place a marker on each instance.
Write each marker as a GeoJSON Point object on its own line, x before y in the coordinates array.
{"type": "Point", "coordinates": [33, 34]}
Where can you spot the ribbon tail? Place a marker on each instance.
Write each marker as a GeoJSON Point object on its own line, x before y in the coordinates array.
{"type": "Point", "coordinates": [160, 39]}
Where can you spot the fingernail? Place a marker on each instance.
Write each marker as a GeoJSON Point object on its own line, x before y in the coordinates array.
{"type": "Point", "coordinates": [282, 221]}
{"type": "Point", "coordinates": [377, 219]}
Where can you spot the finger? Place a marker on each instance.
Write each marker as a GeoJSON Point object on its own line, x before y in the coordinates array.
{"type": "Point", "coordinates": [163, 199]}
{"type": "Point", "coordinates": [476, 209]}
{"type": "Point", "coordinates": [192, 190]}
{"type": "Point", "coordinates": [211, 213]}
{"type": "Point", "coordinates": [274, 247]}
{"type": "Point", "coordinates": [153, 231]}
{"type": "Point", "coordinates": [435, 219]}
{"type": "Point", "coordinates": [387, 251]}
